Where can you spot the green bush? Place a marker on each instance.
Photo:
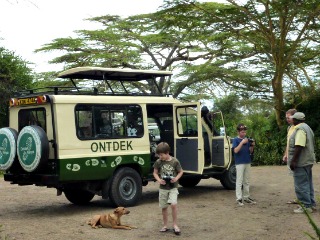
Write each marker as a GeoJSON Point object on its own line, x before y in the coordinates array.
{"type": "Point", "coordinates": [270, 147]}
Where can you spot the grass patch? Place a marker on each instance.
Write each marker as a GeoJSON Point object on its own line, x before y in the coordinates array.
{"type": "Point", "coordinates": [312, 223]}
{"type": "Point", "coordinates": [3, 236]}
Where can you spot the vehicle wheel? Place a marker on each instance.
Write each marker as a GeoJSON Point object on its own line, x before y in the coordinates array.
{"type": "Point", "coordinates": [78, 196]}
{"type": "Point", "coordinates": [8, 147]}
{"type": "Point", "coordinates": [229, 177]}
{"type": "Point", "coordinates": [126, 187]}
{"type": "Point", "coordinates": [32, 148]}
{"type": "Point", "coordinates": [190, 181]}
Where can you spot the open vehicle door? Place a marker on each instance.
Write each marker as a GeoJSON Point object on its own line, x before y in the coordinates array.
{"type": "Point", "coordinates": [188, 140]}
{"type": "Point", "coordinates": [221, 146]}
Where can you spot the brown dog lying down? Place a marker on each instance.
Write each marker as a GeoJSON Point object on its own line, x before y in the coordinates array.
{"type": "Point", "coordinates": [110, 220]}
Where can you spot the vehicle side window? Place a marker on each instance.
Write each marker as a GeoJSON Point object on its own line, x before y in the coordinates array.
{"type": "Point", "coordinates": [118, 123]}
{"type": "Point", "coordinates": [134, 121]}
{"type": "Point", "coordinates": [154, 132]}
{"type": "Point", "coordinates": [105, 121]}
{"type": "Point", "coordinates": [84, 123]}
{"type": "Point", "coordinates": [34, 116]}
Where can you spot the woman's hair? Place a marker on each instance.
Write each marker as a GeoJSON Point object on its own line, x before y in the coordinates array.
{"type": "Point", "coordinates": [163, 147]}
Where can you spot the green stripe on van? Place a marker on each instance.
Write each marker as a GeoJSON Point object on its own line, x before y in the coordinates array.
{"type": "Point", "coordinates": [100, 167]}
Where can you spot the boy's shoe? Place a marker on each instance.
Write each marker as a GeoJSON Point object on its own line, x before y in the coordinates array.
{"type": "Point", "coordinates": [164, 229]}
{"type": "Point", "coordinates": [240, 202]}
{"type": "Point", "coordinates": [300, 210]}
{"type": "Point", "coordinates": [250, 200]}
{"type": "Point", "coordinates": [176, 231]}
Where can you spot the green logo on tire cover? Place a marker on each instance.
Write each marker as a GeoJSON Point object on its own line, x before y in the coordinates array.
{"type": "Point", "coordinates": [29, 149]}
{"type": "Point", "coordinates": [7, 149]}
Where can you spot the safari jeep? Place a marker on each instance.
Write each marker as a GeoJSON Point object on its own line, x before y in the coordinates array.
{"type": "Point", "coordinates": [87, 142]}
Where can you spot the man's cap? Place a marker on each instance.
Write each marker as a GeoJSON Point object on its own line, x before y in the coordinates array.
{"type": "Point", "coordinates": [298, 116]}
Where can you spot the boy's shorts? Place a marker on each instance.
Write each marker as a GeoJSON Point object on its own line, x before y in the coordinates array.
{"type": "Point", "coordinates": [168, 197]}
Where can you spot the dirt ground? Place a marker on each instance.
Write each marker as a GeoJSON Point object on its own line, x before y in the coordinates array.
{"type": "Point", "coordinates": [207, 211]}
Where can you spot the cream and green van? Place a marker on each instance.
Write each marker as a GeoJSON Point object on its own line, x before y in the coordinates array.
{"type": "Point", "coordinates": [90, 142]}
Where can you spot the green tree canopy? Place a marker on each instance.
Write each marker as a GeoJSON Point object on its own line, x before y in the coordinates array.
{"type": "Point", "coordinates": [283, 38]}
{"type": "Point", "coordinates": [179, 38]}
{"type": "Point", "coordinates": [14, 75]}
{"type": "Point", "coordinates": [258, 49]}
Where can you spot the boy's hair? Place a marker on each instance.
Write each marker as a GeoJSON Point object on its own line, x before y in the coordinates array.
{"type": "Point", "coordinates": [241, 127]}
{"type": "Point", "coordinates": [163, 147]}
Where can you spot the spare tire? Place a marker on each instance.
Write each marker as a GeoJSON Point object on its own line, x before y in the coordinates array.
{"type": "Point", "coordinates": [33, 148]}
{"type": "Point", "coordinates": [8, 147]}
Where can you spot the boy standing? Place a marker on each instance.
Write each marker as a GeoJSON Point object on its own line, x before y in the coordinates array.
{"type": "Point", "coordinates": [242, 149]}
{"type": "Point", "coordinates": [167, 171]}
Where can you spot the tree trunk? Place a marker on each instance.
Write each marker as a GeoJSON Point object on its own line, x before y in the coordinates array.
{"type": "Point", "coordinates": [278, 96]}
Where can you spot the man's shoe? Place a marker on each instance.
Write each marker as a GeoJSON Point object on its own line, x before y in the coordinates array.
{"type": "Point", "coordinates": [300, 210]}
{"type": "Point", "coordinates": [294, 201]}
{"type": "Point", "coordinates": [250, 200]}
{"type": "Point", "coordinates": [239, 202]}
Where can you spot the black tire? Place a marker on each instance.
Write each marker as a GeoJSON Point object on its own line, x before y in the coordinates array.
{"type": "Point", "coordinates": [32, 148]}
{"type": "Point", "coordinates": [78, 196]}
{"type": "Point", "coordinates": [8, 148]}
{"type": "Point", "coordinates": [229, 177]}
{"type": "Point", "coordinates": [190, 181]}
{"type": "Point", "coordinates": [126, 187]}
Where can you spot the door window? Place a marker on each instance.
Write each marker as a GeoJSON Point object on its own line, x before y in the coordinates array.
{"type": "Point", "coordinates": [32, 116]}
{"type": "Point", "coordinates": [187, 121]}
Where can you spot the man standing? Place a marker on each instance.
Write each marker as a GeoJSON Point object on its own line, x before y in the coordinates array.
{"type": "Point", "coordinates": [290, 130]}
{"type": "Point", "coordinates": [301, 158]}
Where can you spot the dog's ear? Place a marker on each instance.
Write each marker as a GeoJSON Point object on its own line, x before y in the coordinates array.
{"type": "Point", "coordinates": [118, 209]}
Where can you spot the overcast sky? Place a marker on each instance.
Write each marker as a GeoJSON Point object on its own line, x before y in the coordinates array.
{"type": "Point", "coordinates": [26, 25]}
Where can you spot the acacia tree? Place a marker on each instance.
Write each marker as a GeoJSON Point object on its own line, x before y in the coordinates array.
{"type": "Point", "coordinates": [283, 37]}
{"type": "Point", "coordinates": [14, 75]}
{"type": "Point", "coordinates": [174, 38]}
{"type": "Point", "coordinates": [213, 46]}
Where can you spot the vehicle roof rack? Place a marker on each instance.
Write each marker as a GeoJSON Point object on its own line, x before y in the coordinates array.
{"type": "Point", "coordinates": [118, 74]}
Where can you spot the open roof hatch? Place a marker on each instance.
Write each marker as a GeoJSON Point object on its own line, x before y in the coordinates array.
{"type": "Point", "coordinates": [114, 74]}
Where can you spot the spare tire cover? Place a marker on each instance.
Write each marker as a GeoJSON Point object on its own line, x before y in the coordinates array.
{"type": "Point", "coordinates": [32, 148]}
{"type": "Point", "coordinates": [8, 146]}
